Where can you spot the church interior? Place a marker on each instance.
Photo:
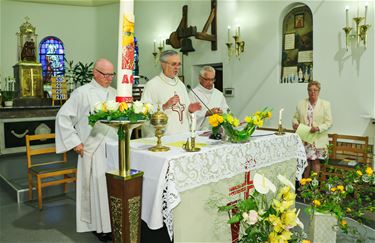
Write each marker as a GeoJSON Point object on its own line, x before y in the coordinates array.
{"type": "Point", "coordinates": [264, 53]}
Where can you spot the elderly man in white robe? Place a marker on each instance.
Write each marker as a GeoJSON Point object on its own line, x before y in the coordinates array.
{"type": "Point", "coordinates": [73, 132]}
{"type": "Point", "coordinates": [168, 92]}
{"type": "Point", "coordinates": [212, 98]}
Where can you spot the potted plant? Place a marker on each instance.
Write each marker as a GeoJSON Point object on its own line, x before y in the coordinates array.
{"type": "Point", "coordinates": [350, 195]}
{"type": "Point", "coordinates": [82, 73]}
{"type": "Point", "coordinates": [8, 97]}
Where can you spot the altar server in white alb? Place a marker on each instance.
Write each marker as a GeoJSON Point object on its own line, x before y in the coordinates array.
{"type": "Point", "coordinates": [73, 132]}
{"type": "Point", "coordinates": [167, 91]}
{"type": "Point", "coordinates": [212, 98]}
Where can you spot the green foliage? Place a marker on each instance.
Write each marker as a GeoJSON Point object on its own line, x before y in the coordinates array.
{"type": "Point", "coordinates": [349, 195]}
{"type": "Point", "coordinates": [82, 73]}
{"type": "Point", "coordinates": [8, 95]}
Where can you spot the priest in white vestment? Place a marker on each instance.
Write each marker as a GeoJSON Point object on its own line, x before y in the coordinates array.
{"type": "Point", "coordinates": [212, 98]}
{"type": "Point", "coordinates": [168, 92]}
{"type": "Point", "coordinates": [73, 132]}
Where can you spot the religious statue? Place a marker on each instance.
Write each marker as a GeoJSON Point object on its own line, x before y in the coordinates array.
{"type": "Point", "coordinates": [28, 51]}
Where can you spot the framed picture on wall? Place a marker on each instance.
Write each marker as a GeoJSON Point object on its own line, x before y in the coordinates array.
{"type": "Point", "coordinates": [299, 20]}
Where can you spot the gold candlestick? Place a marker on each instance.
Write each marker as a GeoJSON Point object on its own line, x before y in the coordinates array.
{"type": "Point", "coordinates": [280, 130]}
{"type": "Point", "coordinates": [190, 147]}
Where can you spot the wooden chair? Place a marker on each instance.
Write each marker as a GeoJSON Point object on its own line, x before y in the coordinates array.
{"type": "Point", "coordinates": [347, 152]}
{"type": "Point", "coordinates": [53, 170]}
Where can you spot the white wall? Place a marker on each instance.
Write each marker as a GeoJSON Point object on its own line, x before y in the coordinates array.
{"type": "Point", "coordinates": [347, 78]}
{"type": "Point", "coordinates": [107, 32]}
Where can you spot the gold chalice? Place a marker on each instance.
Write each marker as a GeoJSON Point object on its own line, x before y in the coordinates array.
{"type": "Point", "coordinates": [159, 120]}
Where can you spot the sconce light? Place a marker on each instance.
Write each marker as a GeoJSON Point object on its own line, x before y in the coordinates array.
{"type": "Point", "coordinates": [360, 30]}
{"type": "Point", "coordinates": [157, 50]}
{"type": "Point", "coordinates": [238, 46]}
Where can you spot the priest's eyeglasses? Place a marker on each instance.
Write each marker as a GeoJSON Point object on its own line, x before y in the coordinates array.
{"type": "Point", "coordinates": [174, 64]}
{"type": "Point", "coordinates": [106, 75]}
{"type": "Point", "coordinates": [208, 79]}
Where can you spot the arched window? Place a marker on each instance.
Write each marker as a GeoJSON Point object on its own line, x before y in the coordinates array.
{"type": "Point", "coordinates": [297, 49]}
{"type": "Point", "coordinates": [51, 56]}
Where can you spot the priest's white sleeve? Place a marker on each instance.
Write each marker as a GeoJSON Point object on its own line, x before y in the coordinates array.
{"type": "Point", "coordinates": [66, 134]}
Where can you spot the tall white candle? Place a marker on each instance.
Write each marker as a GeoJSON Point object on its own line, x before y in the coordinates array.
{"type": "Point", "coordinates": [154, 45]}
{"type": "Point", "coordinates": [238, 30]}
{"type": "Point", "coordinates": [281, 115]}
{"type": "Point", "coordinates": [193, 124]}
{"type": "Point", "coordinates": [347, 15]}
{"type": "Point", "coordinates": [228, 34]}
{"type": "Point", "coordinates": [366, 12]}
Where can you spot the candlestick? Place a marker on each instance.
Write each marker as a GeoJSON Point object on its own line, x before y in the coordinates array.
{"type": "Point", "coordinates": [347, 16]}
{"type": "Point", "coordinates": [228, 34]}
{"type": "Point", "coordinates": [366, 12]}
{"type": "Point", "coordinates": [281, 115]}
{"type": "Point", "coordinates": [154, 45]}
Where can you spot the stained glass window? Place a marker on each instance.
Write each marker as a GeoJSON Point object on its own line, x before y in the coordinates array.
{"type": "Point", "coordinates": [51, 56]}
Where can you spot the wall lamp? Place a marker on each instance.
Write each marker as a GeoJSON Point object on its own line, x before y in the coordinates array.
{"type": "Point", "coordinates": [360, 33]}
{"type": "Point", "coordinates": [238, 46]}
{"type": "Point", "coordinates": [159, 48]}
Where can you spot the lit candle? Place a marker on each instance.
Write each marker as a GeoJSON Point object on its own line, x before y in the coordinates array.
{"type": "Point", "coordinates": [154, 45]}
{"type": "Point", "coordinates": [238, 30]}
{"type": "Point", "coordinates": [228, 34]}
{"type": "Point", "coordinates": [347, 15]}
{"type": "Point", "coordinates": [281, 115]}
{"type": "Point", "coordinates": [366, 12]}
{"type": "Point", "coordinates": [193, 124]}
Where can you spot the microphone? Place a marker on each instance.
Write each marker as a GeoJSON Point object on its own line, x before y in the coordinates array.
{"type": "Point", "coordinates": [209, 110]}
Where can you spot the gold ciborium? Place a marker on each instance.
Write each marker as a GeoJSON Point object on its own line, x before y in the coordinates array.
{"type": "Point", "coordinates": [159, 120]}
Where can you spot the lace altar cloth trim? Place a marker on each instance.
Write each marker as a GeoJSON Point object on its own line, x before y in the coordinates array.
{"type": "Point", "coordinates": [226, 161]}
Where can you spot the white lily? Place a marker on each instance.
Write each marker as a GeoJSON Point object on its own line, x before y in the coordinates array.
{"type": "Point", "coordinates": [138, 107]}
{"type": "Point", "coordinates": [298, 221]}
{"type": "Point", "coordinates": [98, 106]}
{"type": "Point", "coordinates": [112, 105]}
{"type": "Point", "coordinates": [285, 181]}
{"type": "Point", "coordinates": [262, 184]}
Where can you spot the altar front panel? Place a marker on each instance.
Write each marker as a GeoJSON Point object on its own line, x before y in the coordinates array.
{"type": "Point", "coordinates": [169, 174]}
{"type": "Point", "coordinates": [196, 218]}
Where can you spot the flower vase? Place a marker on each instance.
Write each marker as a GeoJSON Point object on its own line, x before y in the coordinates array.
{"type": "Point", "coordinates": [235, 136]}
{"type": "Point", "coordinates": [323, 228]}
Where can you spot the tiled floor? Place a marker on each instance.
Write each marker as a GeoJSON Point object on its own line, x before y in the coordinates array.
{"type": "Point", "coordinates": [56, 222]}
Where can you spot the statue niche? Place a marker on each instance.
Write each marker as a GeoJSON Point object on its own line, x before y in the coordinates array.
{"type": "Point", "coordinates": [28, 51]}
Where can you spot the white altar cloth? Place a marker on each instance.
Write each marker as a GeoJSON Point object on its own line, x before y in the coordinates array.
{"type": "Point", "coordinates": [166, 174]}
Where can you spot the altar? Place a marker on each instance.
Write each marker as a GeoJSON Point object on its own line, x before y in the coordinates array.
{"type": "Point", "coordinates": [183, 189]}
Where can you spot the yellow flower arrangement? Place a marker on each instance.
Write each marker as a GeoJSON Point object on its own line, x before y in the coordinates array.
{"type": "Point", "coordinates": [267, 222]}
{"type": "Point", "coordinates": [231, 124]}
